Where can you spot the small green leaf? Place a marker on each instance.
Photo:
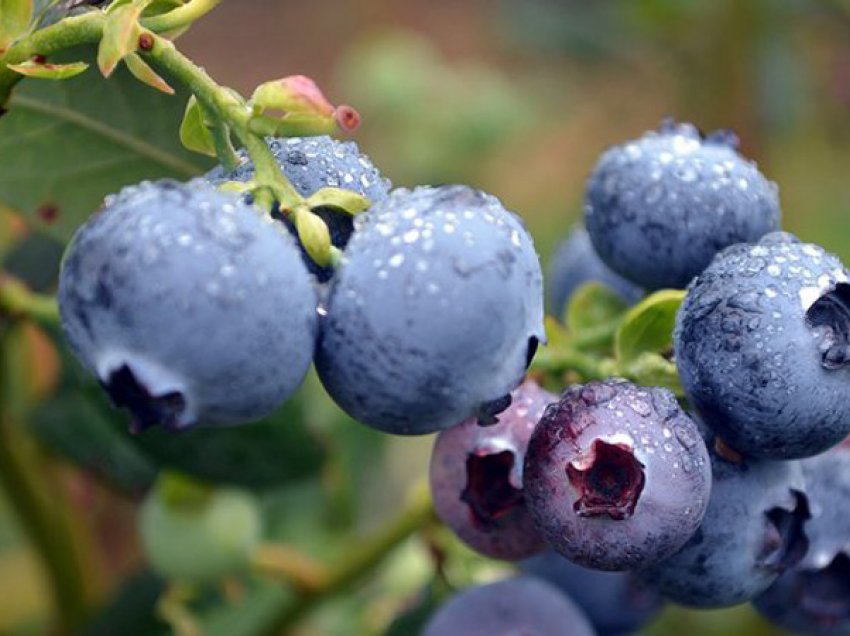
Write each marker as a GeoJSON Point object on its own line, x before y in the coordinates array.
{"type": "Point", "coordinates": [31, 68]}
{"type": "Point", "coordinates": [648, 326]}
{"type": "Point", "coordinates": [194, 132]}
{"type": "Point", "coordinates": [15, 16]}
{"type": "Point", "coordinates": [144, 73]}
{"type": "Point", "coordinates": [121, 32]}
{"type": "Point", "coordinates": [341, 199]}
{"type": "Point", "coordinates": [591, 305]}
{"type": "Point", "coordinates": [314, 235]}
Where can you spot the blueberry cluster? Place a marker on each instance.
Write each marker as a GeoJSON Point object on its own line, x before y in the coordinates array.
{"type": "Point", "coordinates": [627, 500]}
{"type": "Point", "coordinates": [191, 307]}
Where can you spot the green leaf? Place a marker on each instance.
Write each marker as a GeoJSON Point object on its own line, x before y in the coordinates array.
{"type": "Point", "coordinates": [194, 132]}
{"type": "Point", "coordinates": [121, 32]}
{"type": "Point", "coordinates": [340, 199]}
{"type": "Point", "coordinates": [264, 454]}
{"type": "Point", "coordinates": [132, 609]}
{"type": "Point", "coordinates": [76, 428]}
{"type": "Point", "coordinates": [15, 16]}
{"type": "Point", "coordinates": [145, 74]}
{"type": "Point", "coordinates": [65, 145]}
{"type": "Point", "coordinates": [49, 71]}
{"type": "Point", "coordinates": [648, 326]}
{"type": "Point", "coordinates": [591, 305]}
{"type": "Point", "coordinates": [653, 369]}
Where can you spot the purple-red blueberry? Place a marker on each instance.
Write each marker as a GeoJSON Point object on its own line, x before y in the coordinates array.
{"type": "Point", "coordinates": [476, 478]}
{"type": "Point", "coordinates": [616, 476]}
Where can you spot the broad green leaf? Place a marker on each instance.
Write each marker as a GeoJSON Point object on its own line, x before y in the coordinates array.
{"type": "Point", "coordinates": [78, 429]}
{"type": "Point", "coordinates": [648, 326]}
{"type": "Point", "coordinates": [65, 145]}
{"type": "Point", "coordinates": [195, 135]}
{"type": "Point", "coordinates": [260, 455]}
{"type": "Point", "coordinates": [15, 16]}
{"type": "Point", "coordinates": [341, 199]}
{"type": "Point", "coordinates": [145, 74]}
{"type": "Point", "coordinates": [121, 32]}
{"type": "Point", "coordinates": [591, 305]}
{"type": "Point", "coordinates": [49, 71]}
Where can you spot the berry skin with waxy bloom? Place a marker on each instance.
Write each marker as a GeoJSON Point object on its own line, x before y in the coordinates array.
{"type": "Point", "coordinates": [434, 313]}
{"type": "Point", "coordinates": [762, 343]}
{"type": "Point", "coordinates": [313, 163]}
{"type": "Point", "coordinates": [616, 475]}
{"type": "Point", "coordinates": [476, 478]}
{"type": "Point", "coordinates": [660, 207]}
{"type": "Point", "coordinates": [754, 529]}
{"type": "Point", "coordinates": [617, 603]}
{"type": "Point", "coordinates": [188, 305]}
{"type": "Point", "coordinates": [520, 605]}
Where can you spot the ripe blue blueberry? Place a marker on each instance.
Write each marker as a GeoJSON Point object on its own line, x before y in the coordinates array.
{"type": "Point", "coordinates": [813, 597]}
{"type": "Point", "coordinates": [753, 530]}
{"type": "Point", "coordinates": [476, 478]}
{"type": "Point", "coordinates": [762, 345]}
{"type": "Point", "coordinates": [520, 605]}
{"type": "Point", "coordinates": [434, 313]}
{"type": "Point", "coordinates": [313, 163]}
{"type": "Point", "coordinates": [616, 476]}
{"type": "Point", "coordinates": [659, 208]}
{"type": "Point", "coordinates": [188, 306]}
{"type": "Point", "coordinates": [576, 263]}
{"type": "Point", "coordinates": [617, 603]}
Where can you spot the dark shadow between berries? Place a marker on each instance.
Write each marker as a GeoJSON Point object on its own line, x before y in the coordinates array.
{"type": "Point", "coordinates": [786, 542]}
{"type": "Point", "coordinates": [825, 594]}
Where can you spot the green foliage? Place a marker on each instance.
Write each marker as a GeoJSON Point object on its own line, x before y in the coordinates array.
{"type": "Point", "coordinates": [65, 145]}
{"type": "Point", "coordinates": [648, 326]}
{"type": "Point", "coordinates": [591, 305]}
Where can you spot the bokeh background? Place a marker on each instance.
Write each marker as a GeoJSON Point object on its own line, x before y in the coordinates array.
{"type": "Point", "coordinates": [517, 97]}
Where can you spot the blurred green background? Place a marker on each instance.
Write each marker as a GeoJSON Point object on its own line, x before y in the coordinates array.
{"type": "Point", "coordinates": [517, 97]}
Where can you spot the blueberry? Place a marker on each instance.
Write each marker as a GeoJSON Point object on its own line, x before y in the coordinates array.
{"type": "Point", "coordinates": [617, 603]}
{"type": "Point", "coordinates": [313, 163]}
{"type": "Point", "coordinates": [188, 306]}
{"type": "Point", "coordinates": [434, 313]}
{"type": "Point", "coordinates": [762, 345]}
{"type": "Point", "coordinates": [813, 597]}
{"type": "Point", "coordinates": [660, 207]}
{"type": "Point", "coordinates": [520, 605]}
{"type": "Point", "coordinates": [753, 530]}
{"type": "Point", "coordinates": [575, 263]}
{"type": "Point", "coordinates": [616, 475]}
{"type": "Point", "coordinates": [199, 536]}
{"type": "Point", "coordinates": [476, 478]}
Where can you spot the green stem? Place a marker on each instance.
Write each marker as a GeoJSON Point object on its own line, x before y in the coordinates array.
{"type": "Point", "coordinates": [16, 299]}
{"type": "Point", "coordinates": [41, 512]}
{"type": "Point", "coordinates": [180, 17]}
{"type": "Point", "coordinates": [229, 109]}
{"type": "Point", "coordinates": [365, 556]}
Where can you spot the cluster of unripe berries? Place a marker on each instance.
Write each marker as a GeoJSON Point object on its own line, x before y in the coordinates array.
{"type": "Point", "coordinates": [192, 307]}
